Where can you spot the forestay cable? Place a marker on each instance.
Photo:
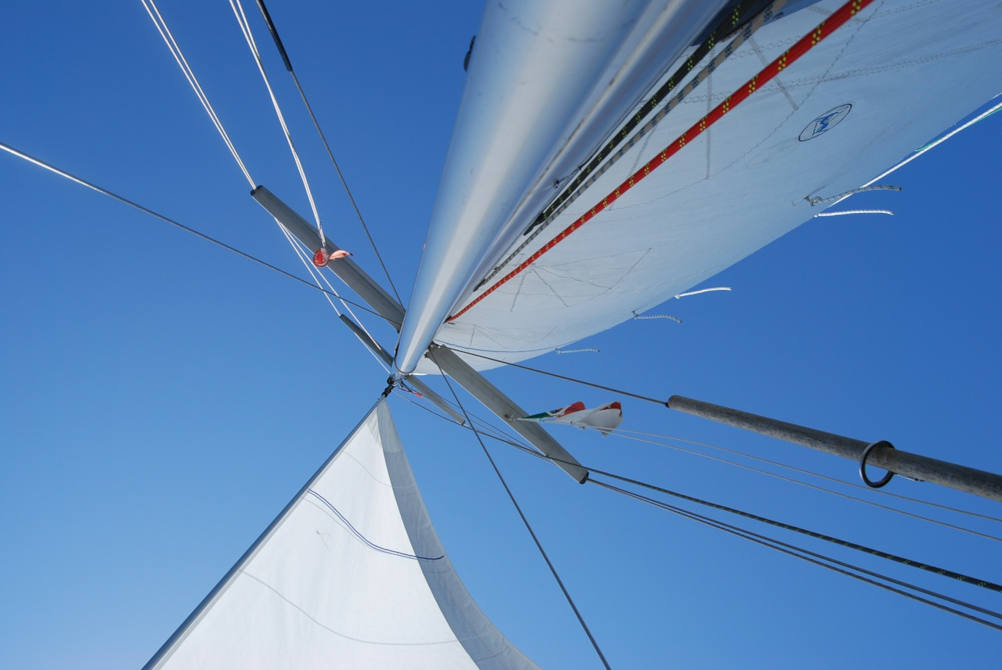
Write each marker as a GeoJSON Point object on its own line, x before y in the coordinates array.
{"type": "Point", "coordinates": [525, 521]}
{"type": "Point", "coordinates": [161, 25]}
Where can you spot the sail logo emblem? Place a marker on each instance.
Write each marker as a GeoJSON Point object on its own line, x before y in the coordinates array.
{"type": "Point", "coordinates": [825, 122]}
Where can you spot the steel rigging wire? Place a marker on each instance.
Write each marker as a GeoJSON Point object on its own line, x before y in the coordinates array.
{"type": "Point", "coordinates": [244, 24]}
{"type": "Point", "coordinates": [624, 434]}
{"type": "Point", "coordinates": [967, 579]}
{"type": "Point", "coordinates": [525, 521]}
{"type": "Point", "coordinates": [318, 276]}
{"type": "Point", "coordinates": [323, 138]}
{"type": "Point", "coordinates": [824, 562]}
{"type": "Point", "coordinates": [799, 482]}
{"type": "Point", "coordinates": [664, 403]}
{"type": "Point", "coordinates": [624, 431]}
{"type": "Point", "coordinates": [583, 382]}
{"type": "Point", "coordinates": [175, 49]}
{"type": "Point", "coordinates": [242, 20]}
{"type": "Point", "coordinates": [331, 292]}
{"type": "Point", "coordinates": [793, 550]}
{"type": "Point", "coordinates": [238, 12]}
{"type": "Point", "coordinates": [188, 229]}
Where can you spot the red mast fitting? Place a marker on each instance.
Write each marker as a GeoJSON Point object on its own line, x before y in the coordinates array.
{"type": "Point", "coordinates": [321, 256]}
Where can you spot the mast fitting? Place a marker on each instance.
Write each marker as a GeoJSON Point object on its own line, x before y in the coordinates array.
{"type": "Point", "coordinates": [862, 465]}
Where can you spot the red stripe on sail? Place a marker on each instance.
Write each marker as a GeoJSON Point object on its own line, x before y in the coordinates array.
{"type": "Point", "coordinates": [805, 44]}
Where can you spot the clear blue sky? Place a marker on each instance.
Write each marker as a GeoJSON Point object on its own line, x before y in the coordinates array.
{"type": "Point", "coordinates": [162, 399]}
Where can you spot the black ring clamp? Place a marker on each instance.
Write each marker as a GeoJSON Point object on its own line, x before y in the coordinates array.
{"type": "Point", "coordinates": [862, 465]}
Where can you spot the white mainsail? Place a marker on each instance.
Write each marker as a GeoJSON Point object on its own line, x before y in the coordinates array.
{"type": "Point", "coordinates": [546, 80]}
{"type": "Point", "coordinates": [861, 100]}
{"type": "Point", "coordinates": [351, 574]}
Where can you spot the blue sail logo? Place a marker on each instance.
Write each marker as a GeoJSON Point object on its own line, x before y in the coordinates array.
{"type": "Point", "coordinates": [825, 122]}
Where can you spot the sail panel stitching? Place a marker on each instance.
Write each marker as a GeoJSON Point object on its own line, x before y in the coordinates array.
{"type": "Point", "coordinates": [592, 172]}
{"type": "Point", "coordinates": [804, 45]}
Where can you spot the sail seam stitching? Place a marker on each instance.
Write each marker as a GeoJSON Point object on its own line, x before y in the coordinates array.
{"type": "Point", "coordinates": [592, 172]}
{"type": "Point", "coordinates": [828, 26]}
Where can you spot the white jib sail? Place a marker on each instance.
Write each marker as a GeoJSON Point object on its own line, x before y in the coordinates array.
{"type": "Point", "coordinates": [350, 575]}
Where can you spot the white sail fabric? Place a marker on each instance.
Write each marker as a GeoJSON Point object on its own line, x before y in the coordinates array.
{"type": "Point", "coordinates": [902, 70]}
{"type": "Point", "coordinates": [546, 78]}
{"type": "Point", "coordinates": [350, 575]}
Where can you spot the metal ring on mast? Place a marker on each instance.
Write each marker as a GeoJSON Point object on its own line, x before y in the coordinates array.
{"type": "Point", "coordinates": [862, 465]}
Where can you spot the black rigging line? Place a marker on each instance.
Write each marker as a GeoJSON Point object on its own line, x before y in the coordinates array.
{"type": "Point", "coordinates": [666, 506]}
{"type": "Point", "coordinates": [712, 446]}
{"type": "Point", "coordinates": [666, 441]}
{"type": "Point", "coordinates": [967, 579]}
{"type": "Point", "coordinates": [188, 229]}
{"type": "Point", "coordinates": [773, 543]}
{"type": "Point", "coordinates": [806, 555]}
{"type": "Point", "coordinates": [525, 521]}
{"type": "Point", "coordinates": [323, 138]}
{"type": "Point", "coordinates": [564, 377]}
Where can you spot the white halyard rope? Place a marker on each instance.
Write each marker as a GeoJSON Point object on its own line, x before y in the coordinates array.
{"type": "Point", "coordinates": [238, 12]}
{"type": "Point", "coordinates": [161, 25]}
